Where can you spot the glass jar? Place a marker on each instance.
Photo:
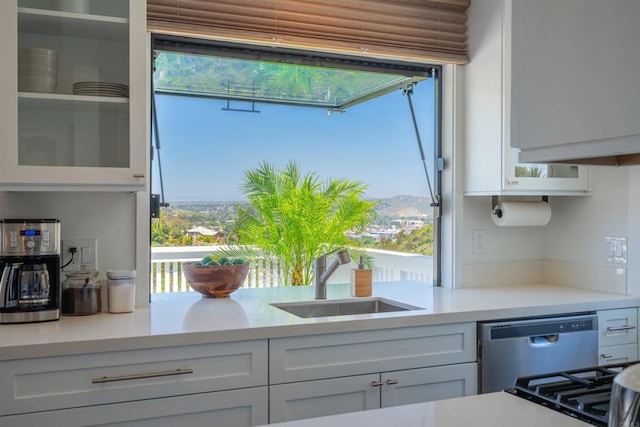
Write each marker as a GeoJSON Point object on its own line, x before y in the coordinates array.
{"type": "Point", "coordinates": [81, 293]}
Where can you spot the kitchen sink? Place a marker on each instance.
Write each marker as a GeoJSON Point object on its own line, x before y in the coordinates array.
{"type": "Point", "coordinates": [325, 308]}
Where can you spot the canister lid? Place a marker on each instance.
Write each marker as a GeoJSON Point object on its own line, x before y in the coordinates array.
{"type": "Point", "coordinates": [121, 274]}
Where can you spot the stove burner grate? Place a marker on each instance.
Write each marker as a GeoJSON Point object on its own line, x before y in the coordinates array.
{"type": "Point", "coordinates": [580, 393]}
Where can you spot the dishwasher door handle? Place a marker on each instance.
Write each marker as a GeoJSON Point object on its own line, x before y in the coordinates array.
{"type": "Point", "coordinates": [543, 340]}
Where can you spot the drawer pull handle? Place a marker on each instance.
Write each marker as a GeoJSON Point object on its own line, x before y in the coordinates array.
{"type": "Point", "coordinates": [606, 356]}
{"type": "Point", "coordinates": [392, 382]}
{"type": "Point", "coordinates": [138, 175]}
{"type": "Point", "coordinates": [620, 328]}
{"type": "Point", "coordinates": [376, 383]}
{"type": "Point", "coordinates": [140, 376]}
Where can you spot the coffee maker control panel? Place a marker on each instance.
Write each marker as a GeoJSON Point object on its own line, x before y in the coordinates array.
{"type": "Point", "coordinates": [29, 237]}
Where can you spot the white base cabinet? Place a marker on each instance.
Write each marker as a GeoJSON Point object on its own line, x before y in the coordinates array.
{"type": "Point", "coordinates": [231, 408]}
{"type": "Point", "coordinates": [320, 375]}
{"type": "Point", "coordinates": [617, 336]}
{"type": "Point", "coordinates": [318, 398]}
{"type": "Point", "coordinates": [208, 384]}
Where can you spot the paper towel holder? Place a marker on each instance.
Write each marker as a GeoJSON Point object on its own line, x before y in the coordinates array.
{"type": "Point", "coordinates": [498, 212]}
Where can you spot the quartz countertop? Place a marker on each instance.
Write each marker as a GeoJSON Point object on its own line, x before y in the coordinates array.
{"type": "Point", "coordinates": [486, 410]}
{"type": "Point", "coordinates": [187, 318]}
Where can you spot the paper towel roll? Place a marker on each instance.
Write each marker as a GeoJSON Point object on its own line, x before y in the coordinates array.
{"type": "Point", "coordinates": [522, 214]}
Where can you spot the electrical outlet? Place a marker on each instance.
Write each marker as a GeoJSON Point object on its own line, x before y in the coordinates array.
{"type": "Point", "coordinates": [86, 254]}
{"type": "Point", "coordinates": [479, 242]}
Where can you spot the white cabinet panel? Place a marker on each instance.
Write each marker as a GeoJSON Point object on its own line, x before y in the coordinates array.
{"type": "Point", "coordinates": [616, 327]}
{"type": "Point", "coordinates": [318, 398]}
{"type": "Point", "coordinates": [429, 384]}
{"type": "Point", "coordinates": [232, 408]}
{"type": "Point", "coordinates": [491, 164]}
{"type": "Point", "coordinates": [334, 355]}
{"type": "Point", "coordinates": [617, 354]}
{"type": "Point", "coordinates": [559, 47]}
{"type": "Point", "coordinates": [617, 336]}
{"type": "Point", "coordinates": [308, 399]}
{"type": "Point", "coordinates": [89, 379]}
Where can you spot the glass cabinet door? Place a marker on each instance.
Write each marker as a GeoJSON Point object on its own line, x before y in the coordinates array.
{"type": "Point", "coordinates": [544, 177]}
{"type": "Point", "coordinates": [74, 106]}
{"type": "Point", "coordinates": [73, 83]}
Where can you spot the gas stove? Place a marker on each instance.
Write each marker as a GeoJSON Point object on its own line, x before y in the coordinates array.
{"type": "Point", "coordinates": [581, 393]}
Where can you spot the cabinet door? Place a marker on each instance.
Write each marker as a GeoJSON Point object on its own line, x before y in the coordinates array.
{"type": "Point", "coordinates": [318, 398]}
{"type": "Point", "coordinates": [574, 73]}
{"type": "Point", "coordinates": [428, 384]}
{"type": "Point", "coordinates": [234, 408]}
{"type": "Point", "coordinates": [541, 178]}
{"type": "Point", "coordinates": [70, 134]}
{"type": "Point", "coordinates": [491, 164]}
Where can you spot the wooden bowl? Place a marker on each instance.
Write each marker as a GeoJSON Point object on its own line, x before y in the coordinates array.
{"type": "Point", "coordinates": [215, 281]}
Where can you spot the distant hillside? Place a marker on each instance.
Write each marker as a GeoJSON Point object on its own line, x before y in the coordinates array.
{"type": "Point", "coordinates": [405, 206]}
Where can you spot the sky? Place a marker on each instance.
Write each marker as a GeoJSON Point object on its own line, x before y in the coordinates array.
{"type": "Point", "coordinates": [205, 150]}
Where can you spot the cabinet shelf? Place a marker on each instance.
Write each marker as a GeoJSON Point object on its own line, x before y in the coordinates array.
{"type": "Point", "coordinates": [50, 22]}
{"type": "Point", "coordinates": [72, 102]}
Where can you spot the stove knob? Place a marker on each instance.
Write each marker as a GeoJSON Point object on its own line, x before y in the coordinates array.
{"type": "Point", "coordinates": [30, 244]}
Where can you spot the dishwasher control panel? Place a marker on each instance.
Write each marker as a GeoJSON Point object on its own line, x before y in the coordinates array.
{"type": "Point", "coordinates": [539, 327]}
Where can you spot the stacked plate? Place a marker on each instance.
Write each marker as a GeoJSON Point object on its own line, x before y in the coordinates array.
{"type": "Point", "coordinates": [101, 89]}
{"type": "Point", "coordinates": [37, 70]}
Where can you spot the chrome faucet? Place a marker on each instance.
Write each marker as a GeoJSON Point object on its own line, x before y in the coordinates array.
{"type": "Point", "coordinates": [323, 272]}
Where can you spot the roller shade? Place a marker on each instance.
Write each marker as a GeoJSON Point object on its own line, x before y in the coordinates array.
{"type": "Point", "coordinates": [416, 30]}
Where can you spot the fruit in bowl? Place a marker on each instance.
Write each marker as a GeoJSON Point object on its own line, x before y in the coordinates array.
{"type": "Point", "coordinates": [215, 277]}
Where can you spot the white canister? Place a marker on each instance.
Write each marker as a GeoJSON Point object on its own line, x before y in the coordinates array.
{"type": "Point", "coordinates": [122, 290]}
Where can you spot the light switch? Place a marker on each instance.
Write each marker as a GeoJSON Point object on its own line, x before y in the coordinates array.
{"type": "Point", "coordinates": [617, 250]}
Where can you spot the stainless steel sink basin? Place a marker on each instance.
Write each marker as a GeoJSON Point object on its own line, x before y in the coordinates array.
{"type": "Point", "coordinates": [325, 308]}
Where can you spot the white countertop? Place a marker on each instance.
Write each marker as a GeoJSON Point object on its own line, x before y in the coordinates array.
{"type": "Point", "coordinates": [486, 410]}
{"type": "Point", "coordinates": [187, 318]}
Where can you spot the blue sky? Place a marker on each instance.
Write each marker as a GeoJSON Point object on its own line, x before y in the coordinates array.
{"type": "Point", "coordinates": [205, 150]}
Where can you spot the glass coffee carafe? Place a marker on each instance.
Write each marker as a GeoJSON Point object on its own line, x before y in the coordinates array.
{"type": "Point", "coordinates": [27, 284]}
{"type": "Point", "coordinates": [34, 284]}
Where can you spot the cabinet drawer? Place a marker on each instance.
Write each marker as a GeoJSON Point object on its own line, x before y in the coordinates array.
{"type": "Point", "coordinates": [79, 380]}
{"type": "Point", "coordinates": [617, 354]}
{"type": "Point", "coordinates": [231, 408]}
{"type": "Point", "coordinates": [617, 327]}
{"type": "Point", "coordinates": [352, 353]}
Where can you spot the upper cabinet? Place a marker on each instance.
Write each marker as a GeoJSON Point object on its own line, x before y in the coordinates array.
{"type": "Point", "coordinates": [73, 104]}
{"type": "Point", "coordinates": [575, 91]}
{"type": "Point", "coordinates": [491, 164]}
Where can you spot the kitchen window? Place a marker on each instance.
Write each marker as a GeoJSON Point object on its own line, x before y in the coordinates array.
{"type": "Point", "coordinates": [221, 110]}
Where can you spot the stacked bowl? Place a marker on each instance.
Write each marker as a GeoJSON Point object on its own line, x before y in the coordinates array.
{"type": "Point", "coordinates": [37, 70]}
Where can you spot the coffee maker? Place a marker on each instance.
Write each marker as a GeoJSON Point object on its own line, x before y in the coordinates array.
{"type": "Point", "coordinates": [30, 270]}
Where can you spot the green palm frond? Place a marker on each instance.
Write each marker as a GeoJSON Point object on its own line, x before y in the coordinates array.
{"type": "Point", "coordinates": [297, 217]}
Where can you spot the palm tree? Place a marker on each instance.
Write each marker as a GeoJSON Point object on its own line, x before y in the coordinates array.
{"type": "Point", "coordinates": [297, 218]}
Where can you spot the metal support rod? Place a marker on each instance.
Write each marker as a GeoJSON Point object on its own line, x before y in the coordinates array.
{"type": "Point", "coordinates": [409, 91]}
{"type": "Point", "coordinates": [156, 134]}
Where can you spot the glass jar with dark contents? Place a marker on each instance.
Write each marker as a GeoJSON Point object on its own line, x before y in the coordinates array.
{"type": "Point", "coordinates": [81, 293]}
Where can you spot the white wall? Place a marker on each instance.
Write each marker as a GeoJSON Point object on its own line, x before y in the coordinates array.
{"type": "Point", "coordinates": [108, 217]}
{"type": "Point", "coordinates": [571, 249]}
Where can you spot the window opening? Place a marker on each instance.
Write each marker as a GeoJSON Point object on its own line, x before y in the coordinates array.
{"type": "Point", "coordinates": [241, 76]}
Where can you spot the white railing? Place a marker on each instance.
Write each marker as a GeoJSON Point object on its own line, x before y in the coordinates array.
{"type": "Point", "coordinates": [166, 270]}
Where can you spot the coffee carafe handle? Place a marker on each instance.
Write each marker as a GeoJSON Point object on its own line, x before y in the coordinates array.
{"type": "Point", "coordinates": [8, 284]}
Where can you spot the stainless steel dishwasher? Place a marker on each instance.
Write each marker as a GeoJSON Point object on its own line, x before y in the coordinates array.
{"type": "Point", "coordinates": [521, 347]}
